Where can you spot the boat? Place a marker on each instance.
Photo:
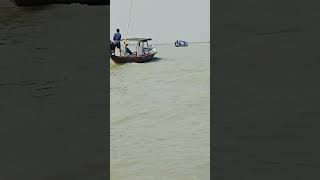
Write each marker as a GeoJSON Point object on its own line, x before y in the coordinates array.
{"type": "Point", "coordinates": [45, 2]}
{"type": "Point", "coordinates": [181, 43]}
{"type": "Point", "coordinates": [144, 52]}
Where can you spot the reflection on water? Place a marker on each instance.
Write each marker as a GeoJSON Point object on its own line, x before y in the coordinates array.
{"type": "Point", "coordinates": [160, 116]}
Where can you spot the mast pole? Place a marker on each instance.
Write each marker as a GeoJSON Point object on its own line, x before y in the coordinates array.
{"type": "Point", "coordinates": [129, 20]}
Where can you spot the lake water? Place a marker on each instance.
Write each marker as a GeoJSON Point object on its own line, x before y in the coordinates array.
{"type": "Point", "coordinates": [160, 116]}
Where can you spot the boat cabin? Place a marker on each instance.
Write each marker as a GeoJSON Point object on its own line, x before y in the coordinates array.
{"type": "Point", "coordinates": [143, 46]}
{"type": "Point", "coordinates": [138, 46]}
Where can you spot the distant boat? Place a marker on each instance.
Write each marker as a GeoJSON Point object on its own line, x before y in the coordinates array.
{"type": "Point", "coordinates": [44, 2]}
{"type": "Point", "coordinates": [181, 43]}
{"type": "Point", "coordinates": [144, 52]}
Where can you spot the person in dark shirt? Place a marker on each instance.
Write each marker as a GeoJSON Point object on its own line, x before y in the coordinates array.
{"type": "Point", "coordinates": [117, 39]}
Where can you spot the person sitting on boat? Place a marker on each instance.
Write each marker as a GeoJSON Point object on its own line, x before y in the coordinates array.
{"type": "Point", "coordinates": [127, 50]}
{"type": "Point", "coordinates": [117, 39]}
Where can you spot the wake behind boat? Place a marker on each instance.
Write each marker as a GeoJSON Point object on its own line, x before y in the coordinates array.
{"type": "Point", "coordinates": [143, 51]}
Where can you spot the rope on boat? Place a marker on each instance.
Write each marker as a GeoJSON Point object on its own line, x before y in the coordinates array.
{"type": "Point", "coordinates": [129, 20]}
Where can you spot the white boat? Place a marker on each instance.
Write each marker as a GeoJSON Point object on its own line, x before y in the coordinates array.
{"type": "Point", "coordinates": [181, 43]}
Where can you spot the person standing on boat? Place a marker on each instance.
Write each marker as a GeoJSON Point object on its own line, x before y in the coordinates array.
{"type": "Point", "coordinates": [117, 39]}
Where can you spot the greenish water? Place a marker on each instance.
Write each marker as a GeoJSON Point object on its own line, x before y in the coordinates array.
{"type": "Point", "coordinates": [160, 116]}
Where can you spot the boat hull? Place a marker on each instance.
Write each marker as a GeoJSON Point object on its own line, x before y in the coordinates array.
{"type": "Point", "coordinates": [180, 45]}
{"type": "Point", "coordinates": [44, 2]}
{"type": "Point", "coordinates": [133, 58]}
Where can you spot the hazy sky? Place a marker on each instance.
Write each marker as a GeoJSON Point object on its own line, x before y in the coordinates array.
{"type": "Point", "coordinates": [162, 20]}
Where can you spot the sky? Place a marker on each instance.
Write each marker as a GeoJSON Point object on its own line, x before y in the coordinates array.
{"type": "Point", "coordinates": [162, 20]}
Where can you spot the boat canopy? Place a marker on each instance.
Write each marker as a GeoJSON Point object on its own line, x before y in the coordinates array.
{"type": "Point", "coordinates": [136, 40]}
